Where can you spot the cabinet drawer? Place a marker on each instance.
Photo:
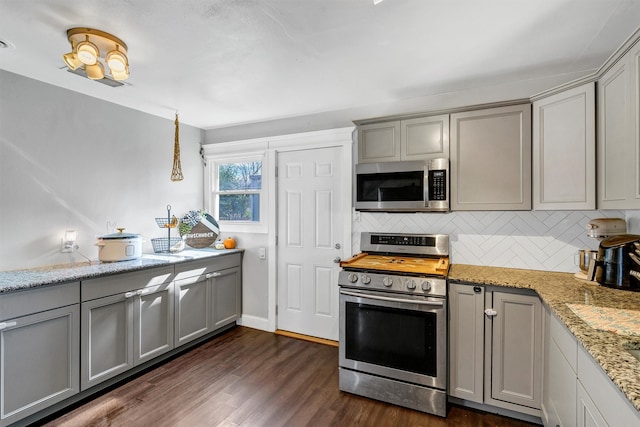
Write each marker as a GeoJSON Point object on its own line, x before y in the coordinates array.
{"type": "Point", "coordinates": [566, 342]}
{"type": "Point", "coordinates": [125, 282]}
{"type": "Point", "coordinates": [30, 301]}
{"type": "Point", "coordinates": [209, 265]}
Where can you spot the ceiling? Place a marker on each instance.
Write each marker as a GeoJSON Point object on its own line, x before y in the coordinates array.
{"type": "Point", "coordinates": [224, 63]}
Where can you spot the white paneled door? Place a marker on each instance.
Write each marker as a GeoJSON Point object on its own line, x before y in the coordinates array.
{"type": "Point", "coordinates": [310, 222]}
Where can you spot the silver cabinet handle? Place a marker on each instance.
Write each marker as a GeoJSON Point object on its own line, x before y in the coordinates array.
{"type": "Point", "coordinates": [490, 312]}
{"type": "Point", "coordinates": [215, 274]}
{"type": "Point", "coordinates": [129, 294]}
{"type": "Point", "coordinates": [5, 325]}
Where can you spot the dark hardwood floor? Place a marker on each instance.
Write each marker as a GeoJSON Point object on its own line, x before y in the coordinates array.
{"type": "Point", "coordinates": [247, 377]}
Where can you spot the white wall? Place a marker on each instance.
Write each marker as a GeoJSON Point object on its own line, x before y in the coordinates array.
{"type": "Point", "coordinates": [70, 161]}
{"type": "Point", "coordinates": [255, 279]}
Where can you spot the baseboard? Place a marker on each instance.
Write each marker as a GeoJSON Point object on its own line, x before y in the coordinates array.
{"type": "Point", "coordinates": [496, 410]}
{"type": "Point", "coordinates": [307, 338]}
{"type": "Point", "coordinates": [255, 322]}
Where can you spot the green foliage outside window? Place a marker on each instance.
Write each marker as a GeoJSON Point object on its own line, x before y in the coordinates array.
{"type": "Point", "coordinates": [239, 186]}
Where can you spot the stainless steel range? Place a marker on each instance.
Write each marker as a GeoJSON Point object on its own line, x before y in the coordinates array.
{"type": "Point", "coordinates": [393, 314]}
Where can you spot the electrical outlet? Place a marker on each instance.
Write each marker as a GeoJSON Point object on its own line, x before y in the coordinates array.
{"type": "Point", "coordinates": [356, 216]}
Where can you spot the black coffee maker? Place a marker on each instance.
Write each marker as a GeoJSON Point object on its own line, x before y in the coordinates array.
{"type": "Point", "coordinates": [618, 262]}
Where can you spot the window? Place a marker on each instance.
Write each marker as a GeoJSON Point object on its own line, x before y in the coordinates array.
{"type": "Point", "coordinates": [237, 192]}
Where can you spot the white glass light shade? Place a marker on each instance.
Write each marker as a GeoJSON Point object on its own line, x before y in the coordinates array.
{"type": "Point", "coordinates": [120, 75]}
{"type": "Point", "coordinates": [117, 61]}
{"type": "Point", "coordinates": [72, 61]}
{"type": "Point", "coordinates": [88, 52]}
{"type": "Point", "coordinates": [95, 71]}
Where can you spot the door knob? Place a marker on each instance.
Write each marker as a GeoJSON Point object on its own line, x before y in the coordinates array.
{"type": "Point", "coordinates": [337, 260]}
{"type": "Point", "coordinates": [338, 246]}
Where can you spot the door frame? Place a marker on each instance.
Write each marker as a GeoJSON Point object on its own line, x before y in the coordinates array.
{"type": "Point", "coordinates": [342, 137]}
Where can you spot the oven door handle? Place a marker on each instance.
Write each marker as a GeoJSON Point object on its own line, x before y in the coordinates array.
{"type": "Point", "coordinates": [392, 299]}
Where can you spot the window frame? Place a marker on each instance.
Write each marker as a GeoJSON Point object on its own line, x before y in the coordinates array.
{"type": "Point", "coordinates": [212, 193]}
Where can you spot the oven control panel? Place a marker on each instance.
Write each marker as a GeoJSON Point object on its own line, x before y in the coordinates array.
{"type": "Point", "coordinates": [434, 286]}
{"type": "Point", "coordinates": [415, 244]}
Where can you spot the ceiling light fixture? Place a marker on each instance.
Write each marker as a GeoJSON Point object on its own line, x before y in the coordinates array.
{"type": "Point", "coordinates": [90, 48]}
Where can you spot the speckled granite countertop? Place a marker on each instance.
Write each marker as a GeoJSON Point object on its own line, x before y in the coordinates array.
{"type": "Point", "coordinates": [17, 280]}
{"type": "Point", "coordinates": [556, 291]}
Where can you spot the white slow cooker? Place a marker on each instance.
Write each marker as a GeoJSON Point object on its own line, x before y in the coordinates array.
{"type": "Point", "coordinates": [119, 246]}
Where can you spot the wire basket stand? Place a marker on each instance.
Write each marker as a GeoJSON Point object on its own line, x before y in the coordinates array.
{"type": "Point", "coordinates": [167, 244]}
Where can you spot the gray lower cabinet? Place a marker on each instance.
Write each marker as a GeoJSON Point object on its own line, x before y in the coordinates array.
{"type": "Point", "coordinates": [208, 296]}
{"type": "Point", "coordinates": [600, 401]}
{"type": "Point", "coordinates": [495, 348]}
{"type": "Point", "coordinates": [559, 374]}
{"type": "Point", "coordinates": [124, 329]}
{"type": "Point", "coordinates": [58, 341]}
{"type": "Point", "coordinates": [516, 348]}
{"type": "Point", "coordinates": [576, 390]}
{"type": "Point", "coordinates": [587, 414]}
{"type": "Point", "coordinates": [39, 349]}
{"type": "Point", "coordinates": [466, 342]}
{"type": "Point", "coordinates": [227, 296]}
{"type": "Point", "coordinates": [192, 308]}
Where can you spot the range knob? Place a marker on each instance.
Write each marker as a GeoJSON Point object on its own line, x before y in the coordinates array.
{"type": "Point", "coordinates": [426, 286]}
{"type": "Point", "coordinates": [352, 277]}
{"type": "Point", "coordinates": [411, 284]}
{"type": "Point", "coordinates": [365, 279]}
{"type": "Point", "coordinates": [387, 281]}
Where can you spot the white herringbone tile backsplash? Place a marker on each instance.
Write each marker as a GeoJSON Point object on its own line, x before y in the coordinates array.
{"type": "Point", "coordinates": [536, 240]}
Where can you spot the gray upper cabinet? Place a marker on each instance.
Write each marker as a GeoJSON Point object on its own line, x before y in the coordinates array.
{"type": "Point", "coordinates": [39, 351]}
{"type": "Point", "coordinates": [564, 150]}
{"type": "Point", "coordinates": [491, 159]}
{"type": "Point", "coordinates": [379, 142]}
{"type": "Point", "coordinates": [618, 144]}
{"type": "Point", "coordinates": [412, 139]}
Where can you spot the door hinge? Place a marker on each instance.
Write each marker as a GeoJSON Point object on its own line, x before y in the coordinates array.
{"type": "Point", "coordinates": [276, 310]}
{"type": "Point", "coordinates": [276, 171]}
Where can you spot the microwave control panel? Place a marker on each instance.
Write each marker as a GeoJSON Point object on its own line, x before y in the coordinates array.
{"type": "Point", "coordinates": [437, 185]}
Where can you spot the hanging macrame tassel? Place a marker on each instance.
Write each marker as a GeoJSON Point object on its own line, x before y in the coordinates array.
{"type": "Point", "coordinates": [176, 173]}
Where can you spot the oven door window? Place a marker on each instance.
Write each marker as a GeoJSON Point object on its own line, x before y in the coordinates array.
{"type": "Point", "coordinates": [391, 337]}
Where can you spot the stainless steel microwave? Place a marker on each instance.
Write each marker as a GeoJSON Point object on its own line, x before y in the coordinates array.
{"type": "Point", "coordinates": [411, 186]}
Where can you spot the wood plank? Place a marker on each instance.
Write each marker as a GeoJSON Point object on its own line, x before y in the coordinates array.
{"type": "Point", "coordinates": [398, 263]}
{"type": "Point", "coordinates": [253, 378]}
